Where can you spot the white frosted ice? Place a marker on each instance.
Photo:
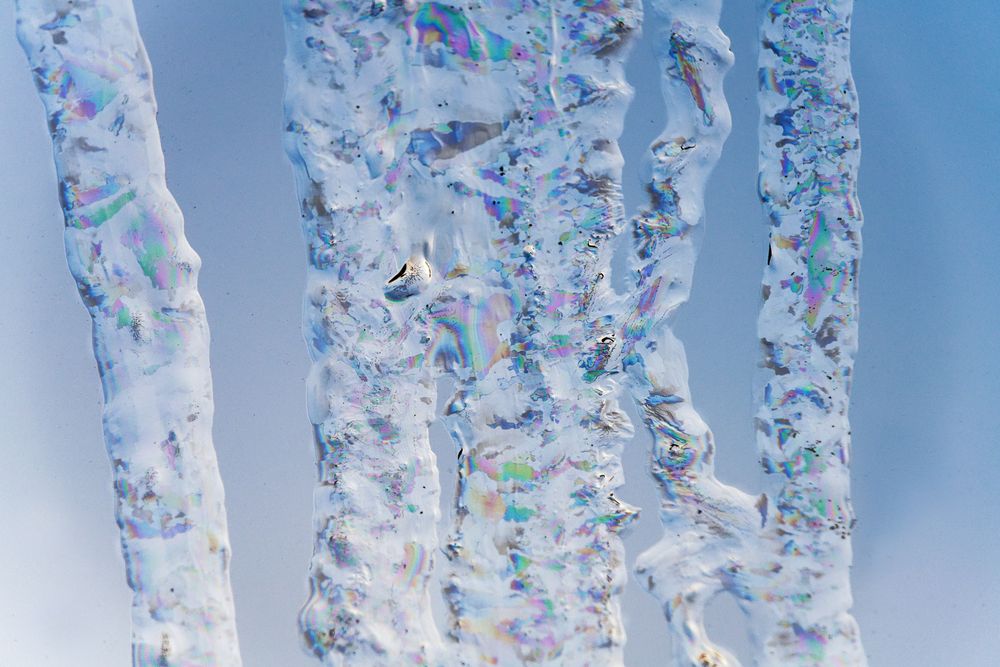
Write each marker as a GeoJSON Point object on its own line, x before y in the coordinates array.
{"type": "Point", "coordinates": [138, 278]}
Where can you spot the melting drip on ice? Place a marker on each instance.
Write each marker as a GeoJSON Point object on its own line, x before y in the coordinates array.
{"type": "Point", "coordinates": [138, 278]}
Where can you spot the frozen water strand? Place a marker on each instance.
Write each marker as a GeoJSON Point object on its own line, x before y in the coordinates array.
{"type": "Point", "coordinates": [138, 278]}
{"type": "Point", "coordinates": [536, 561]}
{"type": "Point", "coordinates": [370, 400]}
{"type": "Point", "coordinates": [785, 557]}
{"type": "Point", "coordinates": [460, 183]}
{"type": "Point", "coordinates": [707, 525]}
{"type": "Point", "coordinates": [809, 154]}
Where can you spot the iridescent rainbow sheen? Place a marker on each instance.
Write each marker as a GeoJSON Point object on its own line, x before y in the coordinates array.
{"type": "Point", "coordinates": [137, 276]}
{"type": "Point", "coordinates": [808, 326]}
{"type": "Point", "coordinates": [469, 156]}
{"type": "Point", "coordinates": [690, 73]}
{"type": "Point", "coordinates": [82, 92]}
{"type": "Point", "coordinates": [433, 23]}
{"type": "Point", "coordinates": [465, 336]}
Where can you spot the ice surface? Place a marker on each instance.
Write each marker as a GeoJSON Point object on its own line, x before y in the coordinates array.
{"type": "Point", "coordinates": [808, 328]}
{"type": "Point", "coordinates": [460, 188]}
{"type": "Point", "coordinates": [137, 276]}
{"type": "Point", "coordinates": [785, 556]}
{"type": "Point", "coordinates": [459, 179]}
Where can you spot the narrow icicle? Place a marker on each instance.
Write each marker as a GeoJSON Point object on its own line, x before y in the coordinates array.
{"type": "Point", "coordinates": [138, 278]}
{"type": "Point", "coordinates": [706, 524]}
{"type": "Point", "coordinates": [786, 556]}
{"type": "Point", "coordinates": [809, 154]}
{"type": "Point", "coordinates": [459, 178]}
{"type": "Point", "coordinates": [370, 398]}
{"type": "Point", "coordinates": [537, 562]}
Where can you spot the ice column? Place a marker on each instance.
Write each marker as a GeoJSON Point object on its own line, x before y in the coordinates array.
{"type": "Point", "coordinates": [786, 555]}
{"type": "Point", "coordinates": [809, 153]}
{"type": "Point", "coordinates": [459, 180]}
{"type": "Point", "coordinates": [706, 524]}
{"type": "Point", "coordinates": [370, 397]}
{"type": "Point", "coordinates": [137, 276]}
{"type": "Point", "coordinates": [537, 564]}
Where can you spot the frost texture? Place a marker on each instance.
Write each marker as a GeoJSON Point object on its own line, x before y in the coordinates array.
{"type": "Point", "coordinates": [460, 187]}
{"type": "Point", "coordinates": [138, 278]}
{"type": "Point", "coordinates": [786, 555]}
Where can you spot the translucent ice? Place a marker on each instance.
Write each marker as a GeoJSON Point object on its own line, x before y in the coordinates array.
{"type": "Point", "coordinates": [808, 328]}
{"type": "Point", "coordinates": [706, 524]}
{"type": "Point", "coordinates": [138, 278]}
{"type": "Point", "coordinates": [786, 555]}
{"type": "Point", "coordinates": [459, 178]}
{"type": "Point", "coordinates": [459, 181]}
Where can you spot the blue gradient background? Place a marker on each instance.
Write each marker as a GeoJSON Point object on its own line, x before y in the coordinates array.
{"type": "Point", "coordinates": [926, 409]}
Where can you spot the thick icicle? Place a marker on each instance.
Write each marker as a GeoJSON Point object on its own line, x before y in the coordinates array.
{"type": "Point", "coordinates": [809, 153]}
{"type": "Point", "coordinates": [537, 564]}
{"type": "Point", "coordinates": [460, 182]}
{"type": "Point", "coordinates": [138, 278]}
{"type": "Point", "coordinates": [706, 524]}
{"type": "Point", "coordinates": [786, 556]}
{"type": "Point", "coordinates": [370, 399]}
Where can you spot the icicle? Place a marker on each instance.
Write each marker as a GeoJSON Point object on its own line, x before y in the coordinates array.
{"type": "Point", "coordinates": [460, 183]}
{"type": "Point", "coordinates": [785, 557]}
{"type": "Point", "coordinates": [370, 397]}
{"type": "Point", "coordinates": [138, 278]}
{"type": "Point", "coordinates": [537, 564]}
{"type": "Point", "coordinates": [808, 328]}
{"type": "Point", "coordinates": [706, 524]}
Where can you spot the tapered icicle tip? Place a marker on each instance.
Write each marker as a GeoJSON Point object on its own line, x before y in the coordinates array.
{"type": "Point", "coordinates": [137, 275]}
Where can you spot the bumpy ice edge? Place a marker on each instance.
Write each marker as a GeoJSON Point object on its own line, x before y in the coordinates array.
{"type": "Point", "coordinates": [137, 276]}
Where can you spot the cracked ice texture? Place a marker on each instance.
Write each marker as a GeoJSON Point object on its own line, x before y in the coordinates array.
{"type": "Point", "coordinates": [137, 276]}
{"type": "Point", "coordinates": [786, 556]}
{"type": "Point", "coordinates": [459, 180]}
